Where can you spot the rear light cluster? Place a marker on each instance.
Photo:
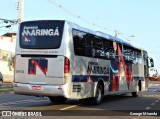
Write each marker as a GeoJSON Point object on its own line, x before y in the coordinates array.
{"type": "Point", "coordinates": [66, 65]}
{"type": "Point", "coordinates": [15, 85]}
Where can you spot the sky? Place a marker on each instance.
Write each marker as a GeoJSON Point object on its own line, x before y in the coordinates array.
{"type": "Point", "coordinates": [140, 18]}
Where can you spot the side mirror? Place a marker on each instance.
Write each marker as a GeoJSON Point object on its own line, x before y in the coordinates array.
{"type": "Point", "coordinates": [151, 62]}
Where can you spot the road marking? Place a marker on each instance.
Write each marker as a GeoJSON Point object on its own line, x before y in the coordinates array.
{"type": "Point", "coordinates": [68, 107]}
{"type": "Point", "coordinates": [152, 90]}
{"type": "Point", "coordinates": [148, 107]}
{"type": "Point", "coordinates": [153, 104]}
{"type": "Point", "coordinates": [157, 101]}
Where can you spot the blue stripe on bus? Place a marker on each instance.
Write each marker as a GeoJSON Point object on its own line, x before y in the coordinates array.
{"type": "Point", "coordinates": [85, 78]}
{"type": "Point", "coordinates": [139, 78]}
{"type": "Point", "coordinates": [95, 78]}
{"type": "Point", "coordinates": [113, 70]}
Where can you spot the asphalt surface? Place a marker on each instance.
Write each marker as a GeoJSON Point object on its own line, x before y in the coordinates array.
{"type": "Point", "coordinates": [118, 105]}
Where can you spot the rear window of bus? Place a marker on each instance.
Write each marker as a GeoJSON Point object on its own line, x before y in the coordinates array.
{"type": "Point", "coordinates": [41, 34]}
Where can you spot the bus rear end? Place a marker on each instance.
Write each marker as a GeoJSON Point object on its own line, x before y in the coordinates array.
{"type": "Point", "coordinates": [40, 63]}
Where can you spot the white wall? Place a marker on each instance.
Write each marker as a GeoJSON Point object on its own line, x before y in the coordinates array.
{"type": "Point", "coordinates": [7, 46]}
{"type": "Point", "coordinates": [6, 71]}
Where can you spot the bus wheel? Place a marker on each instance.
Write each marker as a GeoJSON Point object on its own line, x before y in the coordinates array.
{"type": "Point", "coordinates": [99, 95]}
{"type": "Point", "coordinates": [135, 94]}
{"type": "Point", "coordinates": [85, 101]}
{"type": "Point", "coordinates": [59, 100]}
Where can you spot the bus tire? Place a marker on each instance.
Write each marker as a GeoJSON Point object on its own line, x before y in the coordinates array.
{"type": "Point", "coordinates": [58, 100]}
{"type": "Point", "coordinates": [99, 95]}
{"type": "Point", "coordinates": [85, 101]}
{"type": "Point", "coordinates": [134, 94]}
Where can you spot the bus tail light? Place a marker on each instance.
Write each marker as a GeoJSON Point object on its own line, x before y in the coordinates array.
{"type": "Point", "coordinates": [66, 65]}
{"type": "Point", "coordinates": [15, 85]}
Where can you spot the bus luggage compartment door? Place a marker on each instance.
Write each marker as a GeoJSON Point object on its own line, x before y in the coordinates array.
{"type": "Point", "coordinates": [39, 70]}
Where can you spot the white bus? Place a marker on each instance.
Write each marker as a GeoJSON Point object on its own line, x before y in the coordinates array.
{"type": "Point", "coordinates": [62, 60]}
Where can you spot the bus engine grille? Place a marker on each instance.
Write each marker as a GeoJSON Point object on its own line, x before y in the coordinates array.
{"type": "Point", "coordinates": [76, 88]}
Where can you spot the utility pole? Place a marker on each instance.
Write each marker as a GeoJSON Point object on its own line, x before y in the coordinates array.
{"type": "Point", "coordinates": [116, 33]}
{"type": "Point", "coordinates": [20, 10]}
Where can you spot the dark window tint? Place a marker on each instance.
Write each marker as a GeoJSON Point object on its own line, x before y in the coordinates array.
{"type": "Point", "coordinates": [138, 56]}
{"type": "Point", "coordinates": [129, 54]}
{"type": "Point", "coordinates": [145, 58]}
{"type": "Point", "coordinates": [89, 45]}
{"type": "Point", "coordinates": [41, 34]}
{"type": "Point", "coordinates": [79, 43]}
{"type": "Point", "coordinates": [132, 55]}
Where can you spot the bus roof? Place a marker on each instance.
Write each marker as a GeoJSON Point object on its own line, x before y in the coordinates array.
{"type": "Point", "coordinates": [104, 35]}
{"type": "Point", "coordinates": [98, 33]}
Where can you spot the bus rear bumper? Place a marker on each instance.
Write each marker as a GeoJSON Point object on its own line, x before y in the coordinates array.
{"type": "Point", "coordinates": [40, 90]}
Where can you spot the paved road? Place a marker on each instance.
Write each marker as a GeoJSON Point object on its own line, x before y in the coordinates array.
{"type": "Point", "coordinates": [149, 100]}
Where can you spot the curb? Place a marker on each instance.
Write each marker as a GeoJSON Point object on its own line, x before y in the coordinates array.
{"type": "Point", "coordinates": [6, 91]}
{"type": "Point", "coordinates": [6, 88]}
{"type": "Point", "coordinates": [3, 93]}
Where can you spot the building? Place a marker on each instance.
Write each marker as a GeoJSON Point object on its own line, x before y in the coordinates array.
{"type": "Point", "coordinates": [7, 52]}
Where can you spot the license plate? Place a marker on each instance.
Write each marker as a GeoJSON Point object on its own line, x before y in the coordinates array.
{"type": "Point", "coordinates": [36, 87]}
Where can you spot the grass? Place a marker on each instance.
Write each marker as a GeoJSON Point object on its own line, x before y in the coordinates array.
{"type": "Point", "coordinates": [6, 90]}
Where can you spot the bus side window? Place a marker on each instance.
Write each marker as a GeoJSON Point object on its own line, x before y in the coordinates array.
{"type": "Point", "coordinates": [139, 57]}
{"type": "Point", "coordinates": [135, 57]}
{"type": "Point", "coordinates": [111, 50]}
{"type": "Point", "coordinates": [106, 51]}
{"type": "Point", "coordinates": [99, 47]}
{"type": "Point", "coordinates": [130, 54]}
{"type": "Point", "coordinates": [79, 45]}
{"type": "Point", "coordinates": [88, 45]}
{"type": "Point", "coordinates": [82, 43]}
{"type": "Point", "coordinates": [93, 51]}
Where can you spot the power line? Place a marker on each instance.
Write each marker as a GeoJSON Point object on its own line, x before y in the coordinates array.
{"type": "Point", "coordinates": [78, 16]}
{"type": "Point", "coordinates": [8, 4]}
{"type": "Point", "coordinates": [10, 7]}
{"type": "Point", "coordinates": [9, 23]}
{"type": "Point", "coordinates": [117, 33]}
{"type": "Point", "coordinates": [8, 26]}
{"type": "Point", "coordinates": [7, 20]}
